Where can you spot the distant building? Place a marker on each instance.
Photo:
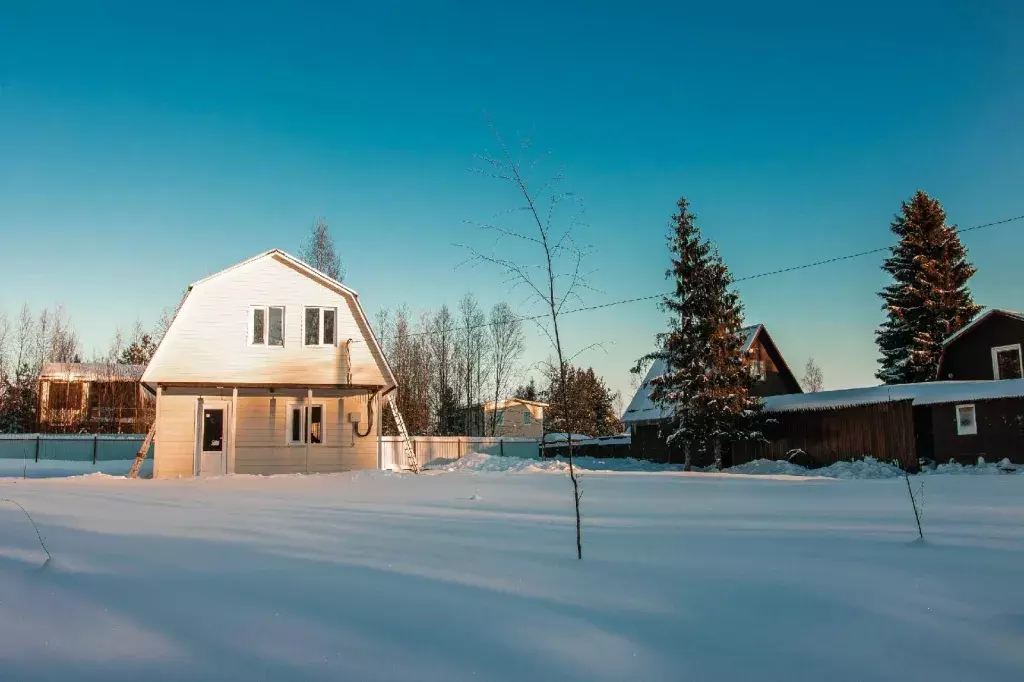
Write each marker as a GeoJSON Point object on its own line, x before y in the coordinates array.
{"type": "Point", "coordinates": [987, 348]}
{"type": "Point", "coordinates": [515, 418]}
{"type": "Point", "coordinates": [647, 422]}
{"type": "Point", "coordinates": [93, 398]}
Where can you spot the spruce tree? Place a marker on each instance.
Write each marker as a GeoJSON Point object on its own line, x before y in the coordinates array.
{"type": "Point", "coordinates": [706, 387]}
{"type": "Point", "coordinates": [929, 299]}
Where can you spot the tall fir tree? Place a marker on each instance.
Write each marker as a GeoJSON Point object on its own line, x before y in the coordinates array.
{"type": "Point", "coordinates": [929, 299]}
{"type": "Point", "coordinates": [706, 386]}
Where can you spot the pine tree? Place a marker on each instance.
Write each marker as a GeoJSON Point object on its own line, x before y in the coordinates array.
{"type": "Point", "coordinates": [929, 299]}
{"type": "Point", "coordinates": [706, 387]}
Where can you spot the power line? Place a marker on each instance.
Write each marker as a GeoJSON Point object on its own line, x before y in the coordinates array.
{"type": "Point", "coordinates": [769, 273]}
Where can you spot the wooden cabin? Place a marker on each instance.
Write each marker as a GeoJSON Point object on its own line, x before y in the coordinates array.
{"type": "Point", "coordinates": [647, 422]}
{"type": "Point", "coordinates": [940, 421]}
{"type": "Point", "coordinates": [269, 366]}
{"type": "Point", "coordinates": [77, 397]}
{"type": "Point", "coordinates": [989, 348]}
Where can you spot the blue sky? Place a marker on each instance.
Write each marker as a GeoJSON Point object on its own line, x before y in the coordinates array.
{"type": "Point", "coordinates": [144, 147]}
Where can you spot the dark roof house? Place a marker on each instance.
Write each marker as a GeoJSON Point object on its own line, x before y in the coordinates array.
{"type": "Point", "coordinates": [988, 348]}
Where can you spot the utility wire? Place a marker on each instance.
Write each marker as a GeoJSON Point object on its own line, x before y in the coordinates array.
{"type": "Point", "coordinates": [769, 273]}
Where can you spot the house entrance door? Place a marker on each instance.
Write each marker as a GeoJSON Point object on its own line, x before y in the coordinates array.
{"type": "Point", "coordinates": [212, 446]}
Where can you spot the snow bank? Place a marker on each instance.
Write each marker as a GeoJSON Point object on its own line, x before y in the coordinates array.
{"type": "Point", "coordinates": [480, 462]}
{"type": "Point", "coordinates": [29, 468]}
{"type": "Point", "coordinates": [867, 468]}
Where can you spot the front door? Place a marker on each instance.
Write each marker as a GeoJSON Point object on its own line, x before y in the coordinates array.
{"type": "Point", "coordinates": [212, 448]}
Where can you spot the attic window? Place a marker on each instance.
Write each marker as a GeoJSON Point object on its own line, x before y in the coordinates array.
{"type": "Point", "coordinates": [758, 369]}
{"type": "Point", "coordinates": [319, 326]}
{"type": "Point", "coordinates": [1006, 362]}
{"type": "Point", "coordinates": [266, 326]}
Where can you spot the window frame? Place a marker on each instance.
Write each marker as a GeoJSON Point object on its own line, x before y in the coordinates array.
{"type": "Point", "coordinates": [266, 326]}
{"type": "Point", "coordinates": [302, 406]}
{"type": "Point", "coordinates": [320, 336]}
{"type": "Point", "coordinates": [527, 418]}
{"type": "Point", "coordinates": [962, 430]}
{"type": "Point", "coordinates": [996, 350]}
{"type": "Point", "coordinates": [499, 418]}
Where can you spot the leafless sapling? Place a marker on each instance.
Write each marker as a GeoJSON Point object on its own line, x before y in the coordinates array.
{"type": "Point", "coordinates": [535, 249]}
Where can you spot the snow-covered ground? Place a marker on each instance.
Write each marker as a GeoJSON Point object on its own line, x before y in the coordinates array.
{"type": "Point", "coordinates": [470, 575]}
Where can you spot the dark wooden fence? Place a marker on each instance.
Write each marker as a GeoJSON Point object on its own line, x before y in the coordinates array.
{"type": "Point", "coordinates": [884, 431]}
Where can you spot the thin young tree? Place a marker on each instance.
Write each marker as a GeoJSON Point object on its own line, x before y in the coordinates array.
{"type": "Point", "coordinates": [814, 380]}
{"type": "Point", "coordinates": [550, 268]}
{"type": "Point", "coordinates": [507, 345]}
{"type": "Point", "coordinates": [706, 387]}
{"type": "Point", "coordinates": [442, 340]}
{"type": "Point", "coordinates": [318, 251]}
{"type": "Point", "coordinates": [472, 347]}
{"type": "Point", "coordinates": [929, 299]}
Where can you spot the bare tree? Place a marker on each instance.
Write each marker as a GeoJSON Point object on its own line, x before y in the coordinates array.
{"type": "Point", "coordinates": [507, 345]}
{"type": "Point", "coordinates": [472, 350]}
{"type": "Point", "coordinates": [318, 251]}
{"type": "Point", "coordinates": [5, 351]}
{"type": "Point", "coordinates": [442, 342]}
{"type": "Point", "coordinates": [552, 273]}
{"type": "Point", "coordinates": [63, 340]}
{"type": "Point", "coordinates": [813, 380]}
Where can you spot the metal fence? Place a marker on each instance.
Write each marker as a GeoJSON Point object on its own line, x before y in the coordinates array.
{"type": "Point", "coordinates": [42, 447]}
{"type": "Point", "coordinates": [450, 448]}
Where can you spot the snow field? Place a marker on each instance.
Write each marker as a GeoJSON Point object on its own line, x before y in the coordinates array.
{"type": "Point", "coordinates": [472, 576]}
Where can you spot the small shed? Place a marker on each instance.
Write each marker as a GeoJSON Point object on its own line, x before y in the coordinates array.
{"type": "Point", "coordinates": [941, 421]}
{"type": "Point", "coordinates": [95, 397]}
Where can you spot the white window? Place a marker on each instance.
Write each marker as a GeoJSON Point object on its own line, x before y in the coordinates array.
{"type": "Point", "coordinates": [966, 420]}
{"type": "Point", "coordinates": [500, 419]}
{"type": "Point", "coordinates": [1006, 362]}
{"type": "Point", "coordinates": [527, 418]}
{"type": "Point", "coordinates": [266, 325]}
{"type": "Point", "coordinates": [320, 326]}
{"type": "Point", "coordinates": [757, 369]}
{"type": "Point", "coordinates": [298, 433]}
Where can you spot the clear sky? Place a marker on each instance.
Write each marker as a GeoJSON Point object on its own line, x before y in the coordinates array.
{"type": "Point", "coordinates": [142, 147]}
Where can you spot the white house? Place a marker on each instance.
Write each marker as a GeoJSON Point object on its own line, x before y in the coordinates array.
{"type": "Point", "coordinates": [269, 366]}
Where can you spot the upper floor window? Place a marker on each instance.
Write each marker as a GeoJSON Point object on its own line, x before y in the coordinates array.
{"type": "Point", "coordinates": [758, 369]}
{"type": "Point", "coordinates": [266, 326]}
{"type": "Point", "coordinates": [1006, 362]}
{"type": "Point", "coordinates": [320, 326]}
{"type": "Point", "coordinates": [527, 418]}
{"type": "Point", "coordinates": [500, 418]}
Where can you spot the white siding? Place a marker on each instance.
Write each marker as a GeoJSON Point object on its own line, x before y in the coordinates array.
{"type": "Point", "coordinates": [208, 341]}
{"type": "Point", "coordinates": [260, 439]}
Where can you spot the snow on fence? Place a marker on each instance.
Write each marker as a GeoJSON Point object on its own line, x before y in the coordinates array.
{"type": "Point", "coordinates": [450, 448]}
{"type": "Point", "coordinates": [45, 454]}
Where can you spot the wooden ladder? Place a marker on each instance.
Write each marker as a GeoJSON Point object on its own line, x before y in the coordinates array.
{"type": "Point", "coordinates": [141, 454]}
{"type": "Point", "coordinates": [411, 462]}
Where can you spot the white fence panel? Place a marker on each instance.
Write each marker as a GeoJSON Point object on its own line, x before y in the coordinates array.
{"type": "Point", "coordinates": [451, 448]}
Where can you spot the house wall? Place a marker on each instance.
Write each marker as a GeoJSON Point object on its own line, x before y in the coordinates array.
{"type": "Point", "coordinates": [778, 379]}
{"type": "Point", "coordinates": [261, 445]}
{"type": "Point", "coordinates": [209, 339]}
{"type": "Point", "coordinates": [513, 427]}
{"type": "Point", "coordinates": [970, 356]}
{"type": "Point", "coordinates": [1000, 432]}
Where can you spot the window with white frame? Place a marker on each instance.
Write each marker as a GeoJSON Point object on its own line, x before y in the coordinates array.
{"type": "Point", "coordinates": [319, 326]}
{"type": "Point", "coordinates": [1006, 362]}
{"type": "Point", "coordinates": [758, 369]}
{"type": "Point", "coordinates": [966, 420]}
{"type": "Point", "coordinates": [266, 325]}
{"type": "Point", "coordinates": [299, 430]}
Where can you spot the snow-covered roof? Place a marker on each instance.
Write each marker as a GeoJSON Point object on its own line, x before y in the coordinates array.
{"type": "Point", "coordinates": [90, 371]}
{"type": "Point", "coordinates": [641, 408]}
{"type": "Point", "coordinates": [931, 393]}
{"type": "Point", "coordinates": [984, 316]}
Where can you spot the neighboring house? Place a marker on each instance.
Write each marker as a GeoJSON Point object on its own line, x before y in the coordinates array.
{"type": "Point", "coordinates": [940, 421]}
{"type": "Point", "coordinates": [94, 398]}
{"type": "Point", "coordinates": [987, 348]}
{"type": "Point", "coordinates": [269, 366]}
{"type": "Point", "coordinates": [515, 418]}
{"type": "Point", "coordinates": [646, 421]}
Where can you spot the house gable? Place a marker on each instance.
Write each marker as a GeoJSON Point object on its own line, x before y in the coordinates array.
{"type": "Point", "coordinates": [208, 341]}
{"type": "Point", "coordinates": [969, 354]}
